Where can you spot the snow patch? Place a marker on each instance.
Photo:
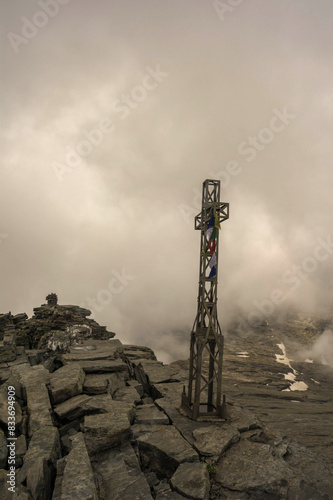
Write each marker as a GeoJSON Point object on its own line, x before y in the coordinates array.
{"type": "Point", "coordinates": [291, 376]}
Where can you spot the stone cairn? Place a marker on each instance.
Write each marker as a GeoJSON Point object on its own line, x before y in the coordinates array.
{"type": "Point", "coordinates": [97, 419]}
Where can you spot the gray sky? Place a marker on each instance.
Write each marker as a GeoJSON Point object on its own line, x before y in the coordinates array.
{"type": "Point", "coordinates": [180, 92]}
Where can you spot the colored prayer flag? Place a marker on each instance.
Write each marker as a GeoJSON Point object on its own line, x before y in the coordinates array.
{"type": "Point", "coordinates": [213, 234]}
{"type": "Point", "coordinates": [212, 221]}
{"type": "Point", "coordinates": [212, 261]}
{"type": "Point", "coordinates": [208, 233]}
{"type": "Point", "coordinates": [212, 272]}
{"type": "Point", "coordinates": [217, 222]}
{"type": "Point", "coordinates": [211, 246]}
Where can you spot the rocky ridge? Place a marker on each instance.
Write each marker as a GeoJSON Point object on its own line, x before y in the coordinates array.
{"type": "Point", "coordinates": [97, 419]}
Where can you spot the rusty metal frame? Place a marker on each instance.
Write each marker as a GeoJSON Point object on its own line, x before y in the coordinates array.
{"type": "Point", "coordinates": [204, 394]}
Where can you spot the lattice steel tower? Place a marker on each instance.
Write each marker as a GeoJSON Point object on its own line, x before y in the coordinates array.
{"type": "Point", "coordinates": [206, 351]}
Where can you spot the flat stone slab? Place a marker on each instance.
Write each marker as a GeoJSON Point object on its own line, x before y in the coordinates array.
{"type": "Point", "coordinates": [84, 405]}
{"type": "Point", "coordinates": [95, 384]}
{"type": "Point", "coordinates": [150, 414]}
{"type": "Point", "coordinates": [138, 352]}
{"type": "Point", "coordinates": [243, 419]}
{"type": "Point", "coordinates": [119, 475]}
{"type": "Point", "coordinates": [21, 493]}
{"type": "Point", "coordinates": [212, 441]}
{"type": "Point", "coordinates": [94, 350]}
{"type": "Point", "coordinates": [183, 424]}
{"type": "Point", "coordinates": [163, 449]}
{"type": "Point", "coordinates": [192, 481]}
{"type": "Point", "coordinates": [103, 365]}
{"type": "Point", "coordinates": [66, 382]}
{"type": "Point", "coordinates": [4, 405]}
{"type": "Point", "coordinates": [158, 373]}
{"type": "Point", "coordinates": [39, 408]}
{"type": "Point", "coordinates": [107, 430]}
{"type": "Point", "coordinates": [171, 392]}
{"type": "Point", "coordinates": [116, 381]}
{"type": "Point", "coordinates": [78, 478]}
{"type": "Point", "coordinates": [249, 465]}
{"type": "Point", "coordinates": [39, 466]}
{"type": "Point", "coordinates": [127, 394]}
{"type": "Point", "coordinates": [30, 375]}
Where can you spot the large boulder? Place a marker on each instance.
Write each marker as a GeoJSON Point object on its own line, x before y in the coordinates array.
{"type": "Point", "coordinates": [150, 414]}
{"type": "Point", "coordinates": [163, 449]}
{"type": "Point", "coordinates": [66, 382]}
{"type": "Point", "coordinates": [39, 467]}
{"type": "Point", "coordinates": [252, 466]}
{"type": "Point", "coordinates": [107, 430]}
{"type": "Point", "coordinates": [4, 404]}
{"type": "Point", "coordinates": [84, 405]}
{"type": "Point", "coordinates": [78, 478]}
{"type": "Point", "coordinates": [213, 440]}
{"type": "Point", "coordinates": [119, 475]}
{"type": "Point", "coordinates": [94, 350]}
{"type": "Point", "coordinates": [102, 365]}
{"type": "Point", "coordinates": [8, 347]}
{"type": "Point", "coordinates": [192, 481]}
{"type": "Point", "coordinates": [39, 408]}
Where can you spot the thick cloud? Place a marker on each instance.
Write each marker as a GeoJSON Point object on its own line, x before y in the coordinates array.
{"type": "Point", "coordinates": [184, 91]}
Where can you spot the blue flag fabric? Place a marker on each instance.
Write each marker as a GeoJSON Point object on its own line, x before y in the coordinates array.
{"type": "Point", "coordinates": [211, 222]}
{"type": "Point", "coordinates": [212, 272]}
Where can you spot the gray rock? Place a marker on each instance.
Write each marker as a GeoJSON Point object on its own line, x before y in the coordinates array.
{"type": "Point", "coordinates": [164, 492]}
{"type": "Point", "coordinates": [107, 430]}
{"type": "Point", "coordinates": [83, 405]}
{"type": "Point", "coordinates": [39, 467]}
{"type": "Point", "coordinates": [184, 425]}
{"type": "Point", "coordinates": [158, 373]}
{"type": "Point", "coordinates": [169, 495]}
{"type": "Point", "coordinates": [66, 382]}
{"type": "Point", "coordinates": [95, 384]}
{"type": "Point", "coordinates": [21, 449]}
{"type": "Point", "coordinates": [30, 375]}
{"type": "Point", "coordinates": [243, 419]}
{"type": "Point", "coordinates": [138, 352]}
{"type": "Point", "coordinates": [127, 394]}
{"type": "Point", "coordinates": [149, 414]}
{"type": "Point", "coordinates": [163, 449]}
{"type": "Point", "coordinates": [4, 404]}
{"type": "Point", "coordinates": [212, 441]}
{"type": "Point", "coordinates": [137, 386]}
{"type": "Point", "coordinates": [35, 356]}
{"type": "Point", "coordinates": [119, 475]}
{"type": "Point", "coordinates": [248, 465]}
{"type": "Point", "coordinates": [192, 481]}
{"type": "Point", "coordinates": [8, 347]}
{"type": "Point", "coordinates": [141, 429]}
{"type": "Point", "coordinates": [21, 492]}
{"type": "Point", "coordinates": [103, 365]}
{"type": "Point", "coordinates": [78, 479]}
{"type": "Point", "coordinates": [116, 381]}
{"type": "Point", "coordinates": [61, 463]}
{"type": "Point", "coordinates": [309, 469]}
{"type": "Point", "coordinates": [39, 407]}
{"type": "Point", "coordinates": [171, 392]}
{"type": "Point", "coordinates": [151, 479]}
{"type": "Point", "coordinates": [3, 450]}
{"type": "Point", "coordinates": [94, 350]}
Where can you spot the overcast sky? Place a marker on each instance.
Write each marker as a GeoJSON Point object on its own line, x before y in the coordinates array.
{"type": "Point", "coordinates": [114, 113]}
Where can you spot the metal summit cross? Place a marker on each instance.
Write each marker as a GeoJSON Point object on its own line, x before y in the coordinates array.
{"type": "Point", "coordinates": [206, 351]}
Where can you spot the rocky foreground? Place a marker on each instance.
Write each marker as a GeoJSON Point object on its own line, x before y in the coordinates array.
{"type": "Point", "coordinates": [96, 419]}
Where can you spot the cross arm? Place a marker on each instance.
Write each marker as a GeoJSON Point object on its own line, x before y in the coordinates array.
{"type": "Point", "coordinates": [220, 208]}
